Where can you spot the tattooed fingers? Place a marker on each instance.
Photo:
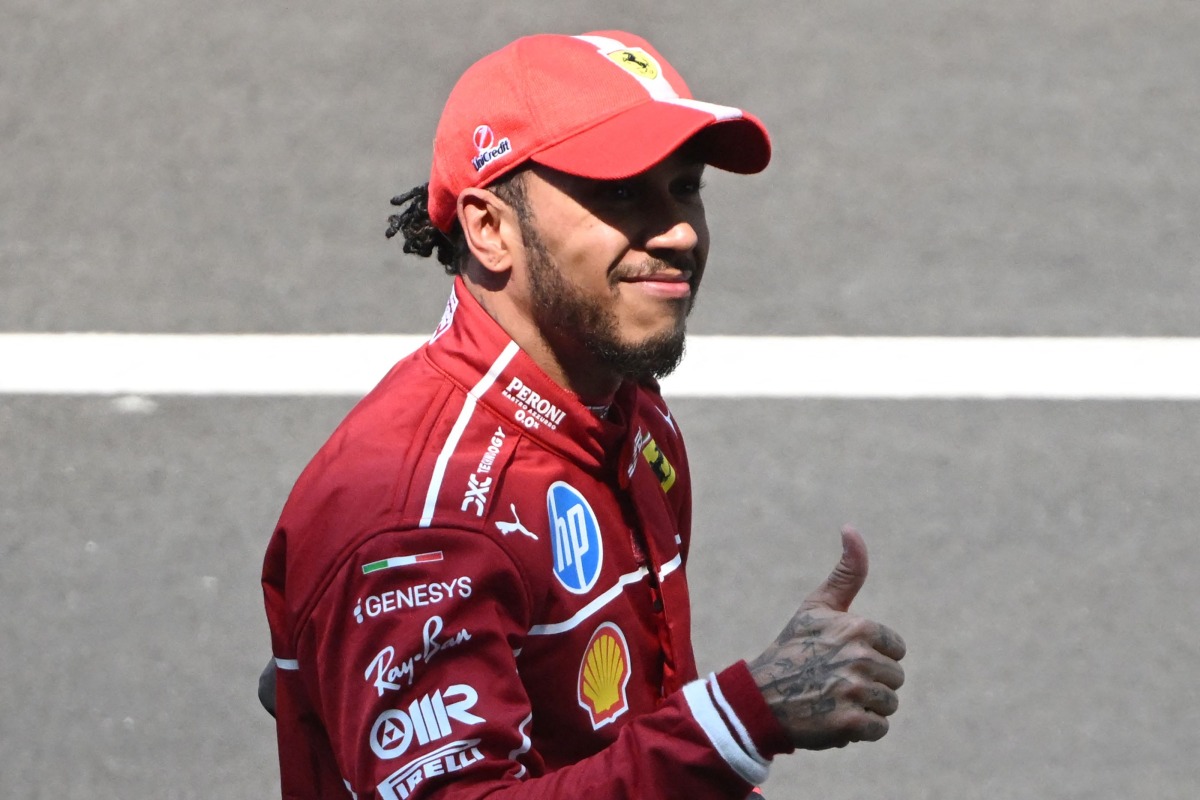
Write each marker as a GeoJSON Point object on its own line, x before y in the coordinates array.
{"type": "Point", "coordinates": [885, 671]}
{"type": "Point", "coordinates": [831, 678]}
{"type": "Point", "coordinates": [881, 700]}
{"type": "Point", "coordinates": [888, 642]}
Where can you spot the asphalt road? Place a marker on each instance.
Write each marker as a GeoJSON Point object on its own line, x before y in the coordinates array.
{"type": "Point", "coordinates": [941, 168]}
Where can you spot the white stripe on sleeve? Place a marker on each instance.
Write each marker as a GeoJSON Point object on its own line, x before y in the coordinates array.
{"type": "Point", "coordinates": [743, 735]}
{"type": "Point", "coordinates": [709, 718]}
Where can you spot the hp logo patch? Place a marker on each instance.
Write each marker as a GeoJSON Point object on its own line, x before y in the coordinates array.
{"type": "Point", "coordinates": [578, 551]}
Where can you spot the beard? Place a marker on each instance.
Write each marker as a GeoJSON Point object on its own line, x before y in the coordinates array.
{"type": "Point", "coordinates": [570, 319]}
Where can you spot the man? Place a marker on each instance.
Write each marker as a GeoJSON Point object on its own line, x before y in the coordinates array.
{"type": "Point", "coordinates": [477, 588]}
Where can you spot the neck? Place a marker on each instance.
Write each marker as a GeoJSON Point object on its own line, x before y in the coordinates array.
{"type": "Point", "coordinates": [570, 367]}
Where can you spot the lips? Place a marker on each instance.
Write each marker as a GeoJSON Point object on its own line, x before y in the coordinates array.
{"type": "Point", "coordinates": [663, 283]}
{"type": "Point", "coordinates": [660, 277]}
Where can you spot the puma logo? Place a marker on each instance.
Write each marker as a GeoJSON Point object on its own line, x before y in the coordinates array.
{"type": "Point", "coordinates": [510, 527]}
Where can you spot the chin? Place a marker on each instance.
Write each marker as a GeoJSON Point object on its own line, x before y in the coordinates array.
{"type": "Point", "coordinates": [662, 321]}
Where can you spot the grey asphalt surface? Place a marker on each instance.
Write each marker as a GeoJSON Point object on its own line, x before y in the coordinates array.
{"type": "Point", "coordinates": [941, 168]}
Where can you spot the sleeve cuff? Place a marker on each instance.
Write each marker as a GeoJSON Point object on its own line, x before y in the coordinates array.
{"type": "Point", "coordinates": [737, 721]}
{"type": "Point", "coordinates": [742, 694]}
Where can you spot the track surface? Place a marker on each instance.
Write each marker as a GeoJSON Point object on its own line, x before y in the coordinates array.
{"type": "Point", "coordinates": [941, 169]}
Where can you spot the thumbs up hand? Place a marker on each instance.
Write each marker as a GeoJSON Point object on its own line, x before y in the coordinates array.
{"type": "Point", "coordinates": [831, 677]}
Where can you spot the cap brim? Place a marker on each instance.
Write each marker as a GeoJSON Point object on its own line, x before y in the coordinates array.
{"type": "Point", "coordinates": [636, 139]}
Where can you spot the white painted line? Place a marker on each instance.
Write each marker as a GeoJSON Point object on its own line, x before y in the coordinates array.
{"type": "Point", "coordinates": [716, 366]}
{"type": "Point", "coordinates": [234, 364]}
{"type": "Point", "coordinates": [935, 367]}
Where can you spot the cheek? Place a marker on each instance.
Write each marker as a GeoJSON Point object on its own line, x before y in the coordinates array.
{"type": "Point", "coordinates": [590, 263]}
{"type": "Point", "coordinates": [702, 240]}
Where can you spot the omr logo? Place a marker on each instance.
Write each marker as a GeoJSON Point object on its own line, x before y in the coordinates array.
{"type": "Point", "coordinates": [578, 549]}
{"type": "Point", "coordinates": [485, 138]}
{"type": "Point", "coordinates": [427, 720]}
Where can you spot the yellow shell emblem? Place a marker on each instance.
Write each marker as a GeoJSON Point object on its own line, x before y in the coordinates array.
{"type": "Point", "coordinates": [638, 61]}
{"type": "Point", "coordinates": [604, 674]}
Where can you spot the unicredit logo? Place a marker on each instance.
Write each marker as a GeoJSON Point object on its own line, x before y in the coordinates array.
{"type": "Point", "coordinates": [485, 138]}
{"type": "Point", "coordinates": [488, 148]}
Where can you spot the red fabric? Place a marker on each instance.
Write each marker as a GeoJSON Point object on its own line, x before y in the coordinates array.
{"type": "Point", "coordinates": [607, 107]}
{"type": "Point", "coordinates": [481, 659]}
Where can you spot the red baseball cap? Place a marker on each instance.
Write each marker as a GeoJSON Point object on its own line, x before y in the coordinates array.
{"type": "Point", "coordinates": [603, 105]}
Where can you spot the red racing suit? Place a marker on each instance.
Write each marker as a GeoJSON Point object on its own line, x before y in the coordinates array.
{"type": "Point", "coordinates": [477, 588]}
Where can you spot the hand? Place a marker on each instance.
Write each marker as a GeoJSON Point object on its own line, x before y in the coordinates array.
{"type": "Point", "coordinates": [831, 677]}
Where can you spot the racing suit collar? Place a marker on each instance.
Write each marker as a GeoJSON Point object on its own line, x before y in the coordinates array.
{"type": "Point", "coordinates": [474, 351]}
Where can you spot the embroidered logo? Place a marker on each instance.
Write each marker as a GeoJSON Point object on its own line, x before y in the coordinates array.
{"type": "Point", "coordinates": [426, 720]}
{"type": "Point", "coordinates": [401, 561]}
{"type": "Point", "coordinates": [447, 318]}
{"type": "Point", "coordinates": [659, 465]}
{"type": "Point", "coordinates": [446, 760]}
{"type": "Point", "coordinates": [476, 494]}
{"type": "Point", "coordinates": [578, 549]}
{"type": "Point", "coordinates": [604, 674]}
{"type": "Point", "coordinates": [488, 148]}
{"type": "Point", "coordinates": [533, 410]}
{"type": "Point", "coordinates": [637, 61]}
{"type": "Point", "coordinates": [493, 450]}
{"type": "Point", "coordinates": [513, 527]}
{"type": "Point", "coordinates": [640, 439]}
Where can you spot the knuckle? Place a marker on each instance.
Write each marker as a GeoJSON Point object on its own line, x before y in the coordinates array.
{"type": "Point", "coordinates": [859, 627]}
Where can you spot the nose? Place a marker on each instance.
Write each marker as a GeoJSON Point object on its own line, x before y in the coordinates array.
{"type": "Point", "coordinates": [680, 236]}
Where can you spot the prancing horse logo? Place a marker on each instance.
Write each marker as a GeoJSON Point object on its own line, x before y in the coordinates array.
{"type": "Point", "coordinates": [638, 62]}
{"type": "Point", "coordinates": [630, 58]}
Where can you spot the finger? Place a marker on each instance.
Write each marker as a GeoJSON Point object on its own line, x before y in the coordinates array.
{"type": "Point", "coordinates": [872, 729]}
{"type": "Point", "coordinates": [881, 700]}
{"type": "Point", "coordinates": [888, 642]}
{"type": "Point", "coordinates": [884, 671]}
{"type": "Point", "coordinates": [840, 588]}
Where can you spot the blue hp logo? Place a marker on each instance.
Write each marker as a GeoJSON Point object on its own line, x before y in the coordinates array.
{"type": "Point", "coordinates": [578, 552]}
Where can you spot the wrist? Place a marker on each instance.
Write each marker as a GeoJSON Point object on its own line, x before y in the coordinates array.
{"type": "Point", "coordinates": [745, 698]}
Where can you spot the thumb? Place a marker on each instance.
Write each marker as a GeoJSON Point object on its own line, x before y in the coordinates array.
{"type": "Point", "coordinates": [842, 585]}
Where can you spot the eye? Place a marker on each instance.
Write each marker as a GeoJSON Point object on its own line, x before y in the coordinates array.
{"type": "Point", "coordinates": [687, 186]}
{"type": "Point", "coordinates": [617, 191]}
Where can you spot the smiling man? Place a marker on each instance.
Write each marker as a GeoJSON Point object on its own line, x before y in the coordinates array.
{"type": "Point", "coordinates": [478, 586]}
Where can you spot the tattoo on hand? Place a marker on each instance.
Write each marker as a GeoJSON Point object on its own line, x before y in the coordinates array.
{"type": "Point", "coordinates": [814, 674]}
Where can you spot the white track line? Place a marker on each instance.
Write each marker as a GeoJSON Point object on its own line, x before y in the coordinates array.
{"type": "Point", "coordinates": [716, 366]}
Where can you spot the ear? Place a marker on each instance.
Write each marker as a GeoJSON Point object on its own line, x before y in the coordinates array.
{"type": "Point", "coordinates": [490, 229]}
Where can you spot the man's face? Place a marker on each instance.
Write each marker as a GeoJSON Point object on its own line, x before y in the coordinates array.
{"type": "Point", "coordinates": [613, 266]}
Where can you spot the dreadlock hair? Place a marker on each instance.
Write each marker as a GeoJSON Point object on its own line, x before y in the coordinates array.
{"type": "Point", "coordinates": [420, 235]}
{"type": "Point", "coordinates": [423, 238]}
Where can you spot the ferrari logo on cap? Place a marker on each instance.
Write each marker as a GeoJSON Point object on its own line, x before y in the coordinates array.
{"type": "Point", "coordinates": [604, 674]}
{"type": "Point", "coordinates": [637, 61]}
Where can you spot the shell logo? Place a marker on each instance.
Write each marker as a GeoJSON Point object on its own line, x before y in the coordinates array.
{"type": "Point", "coordinates": [604, 674]}
{"type": "Point", "coordinates": [637, 61]}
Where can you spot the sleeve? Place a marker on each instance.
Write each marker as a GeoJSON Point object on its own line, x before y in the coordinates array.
{"type": "Point", "coordinates": [412, 667]}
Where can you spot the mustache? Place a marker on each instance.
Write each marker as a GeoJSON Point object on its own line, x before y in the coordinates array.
{"type": "Point", "coordinates": [651, 267]}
